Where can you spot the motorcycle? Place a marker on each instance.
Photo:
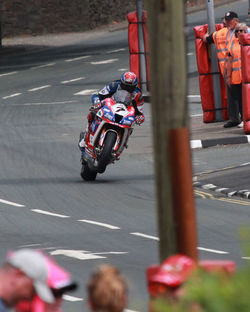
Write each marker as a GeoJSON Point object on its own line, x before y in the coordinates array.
{"type": "Point", "coordinates": [108, 136]}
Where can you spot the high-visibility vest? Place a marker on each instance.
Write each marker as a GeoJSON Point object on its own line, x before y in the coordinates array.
{"type": "Point", "coordinates": [234, 49]}
{"type": "Point", "coordinates": [219, 38]}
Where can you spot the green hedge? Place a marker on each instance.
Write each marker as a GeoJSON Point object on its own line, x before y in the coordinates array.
{"type": "Point", "coordinates": [212, 292]}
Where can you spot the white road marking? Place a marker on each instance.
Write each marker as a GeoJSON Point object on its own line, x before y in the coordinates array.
{"type": "Point", "coordinates": [208, 186]}
{"type": "Point", "coordinates": [110, 253]}
{"type": "Point", "coordinates": [195, 144]}
{"type": "Point", "coordinates": [10, 96]}
{"type": "Point", "coordinates": [109, 226]}
{"type": "Point", "coordinates": [48, 248]}
{"type": "Point", "coordinates": [3, 201]}
{"type": "Point", "coordinates": [126, 310]}
{"type": "Point", "coordinates": [123, 69]}
{"type": "Point", "coordinates": [145, 236]}
{"type": "Point", "coordinates": [114, 51]}
{"type": "Point", "coordinates": [50, 213]}
{"type": "Point", "coordinates": [221, 189]}
{"type": "Point", "coordinates": [77, 58]}
{"type": "Point", "coordinates": [45, 65]}
{"type": "Point", "coordinates": [231, 193]}
{"type": "Point", "coordinates": [71, 298]}
{"type": "Point", "coordinates": [213, 250]}
{"type": "Point", "coordinates": [86, 92]}
{"type": "Point", "coordinates": [199, 248]}
{"type": "Point", "coordinates": [190, 53]}
{"type": "Point", "coordinates": [39, 88]}
{"type": "Point", "coordinates": [197, 115]}
{"type": "Point", "coordinates": [49, 103]}
{"type": "Point", "coordinates": [194, 98]}
{"type": "Point", "coordinates": [245, 258]}
{"type": "Point", "coordinates": [84, 254]}
{"type": "Point", "coordinates": [248, 138]}
{"type": "Point", "coordinates": [29, 245]}
{"type": "Point", "coordinates": [77, 254]}
{"type": "Point", "coordinates": [73, 80]}
{"type": "Point", "coordinates": [105, 61]}
{"type": "Point", "coordinates": [7, 74]}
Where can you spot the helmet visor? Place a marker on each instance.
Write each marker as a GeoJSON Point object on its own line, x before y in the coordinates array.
{"type": "Point", "coordinates": [128, 87]}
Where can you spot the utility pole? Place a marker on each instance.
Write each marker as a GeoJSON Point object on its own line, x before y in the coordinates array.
{"type": "Point", "coordinates": [214, 63]}
{"type": "Point", "coordinates": [173, 169]}
{"type": "Point", "coordinates": [143, 79]}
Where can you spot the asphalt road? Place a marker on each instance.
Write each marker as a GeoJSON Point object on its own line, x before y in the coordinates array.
{"type": "Point", "coordinates": [44, 203]}
{"type": "Point", "coordinates": [44, 99]}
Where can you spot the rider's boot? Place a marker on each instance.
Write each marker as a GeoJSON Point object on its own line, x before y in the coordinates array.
{"type": "Point", "coordinates": [82, 143]}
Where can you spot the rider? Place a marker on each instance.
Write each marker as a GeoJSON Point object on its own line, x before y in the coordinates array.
{"type": "Point", "coordinates": [128, 82]}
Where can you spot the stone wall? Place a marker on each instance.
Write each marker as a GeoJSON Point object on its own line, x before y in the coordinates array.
{"type": "Point", "coordinates": [35, 17]}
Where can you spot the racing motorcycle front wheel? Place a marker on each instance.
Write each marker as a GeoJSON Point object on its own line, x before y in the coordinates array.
{"type": "Point", "coordinates": [106, 154]}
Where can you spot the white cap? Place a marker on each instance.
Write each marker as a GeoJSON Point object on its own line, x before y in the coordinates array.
{"type": "Point", "coordinates": [33, 264]}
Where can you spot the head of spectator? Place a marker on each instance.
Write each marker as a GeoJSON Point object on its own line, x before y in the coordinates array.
{"type": "Point", "coordinates": [23, 275]}
{"type": "Point", "coordinates": [231, 19]}
{"type": "Point", "coordinates": [240, 28]}
{"type": "Point", "coordinates": [59, 281]}
{"type": "Point", "coordinates": [224, 22]}
{"type": "Point", "coordinates": [167, 280]}
{"type": "Point", "coordinates": [107, 290]}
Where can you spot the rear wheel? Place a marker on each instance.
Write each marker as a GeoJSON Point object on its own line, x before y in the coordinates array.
{"type": "Point", "coordinates": [87, 174]}
{"type": "Point", "coordinates": [106, 151]}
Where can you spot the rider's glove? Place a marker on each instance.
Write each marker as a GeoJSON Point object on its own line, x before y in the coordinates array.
{"type": "Point", "coordinates": [139, 119]}
{"type": "Point", "coordinates": [96, 106]}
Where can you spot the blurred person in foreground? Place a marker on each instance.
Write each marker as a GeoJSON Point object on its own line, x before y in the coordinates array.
{"type": "Point", "coordinates": [107, 290]}
{"type": "Point", "coordinates": [59, 281]}
{"type": "Point", "coordinates": [23, 275]}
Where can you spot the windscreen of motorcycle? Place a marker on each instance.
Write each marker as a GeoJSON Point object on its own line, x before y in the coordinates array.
{"type": "Point", "coordinates": [122, 96]}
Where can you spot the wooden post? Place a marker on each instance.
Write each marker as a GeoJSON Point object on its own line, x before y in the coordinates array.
{"type": "Point", "coordinates": [175, 201]}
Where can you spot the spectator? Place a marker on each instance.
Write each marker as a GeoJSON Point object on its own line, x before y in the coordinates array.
{"type": "Point", "coordinates": [167, 280]}
{"type": "Point", "coordinates": [233, 77]}
{"type": "Point", "coordinates": [107, 290]}
{"type": "Point", "coordinates": [222, 36]}
{"type": "Point", "coordinates": [22, 276]}
{"type": "Point", "coordinates": [59, 281]}
{"type": "Point", "coordinates": [223, 40]}
{"type": "Point", "coordinates": [219, 39]}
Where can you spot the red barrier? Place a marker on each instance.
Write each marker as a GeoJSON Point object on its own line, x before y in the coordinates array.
{"type": "Point", "coordinates": [213, 266]}
{"type": "Point", "coordinates": [245, 69]}
{"type": "Point", "coordinates": [134, 44]}
{"type": "Point", "coordinates": [205, 76]}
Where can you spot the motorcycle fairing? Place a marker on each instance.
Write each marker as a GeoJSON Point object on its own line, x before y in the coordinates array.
{"type": "Point", "coordinates": [116, 117]}
{"type": "Point", "coordinates": [117, 113]}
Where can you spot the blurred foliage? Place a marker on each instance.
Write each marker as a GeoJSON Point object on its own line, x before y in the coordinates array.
{"type": "Point", "coordinates": [215, 291]}
{"type": "Point", "coordinates": [212, 292]}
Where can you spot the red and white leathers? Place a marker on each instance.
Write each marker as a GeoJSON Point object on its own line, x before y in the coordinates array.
{"type": "Point", "coordinates": [115, 91]}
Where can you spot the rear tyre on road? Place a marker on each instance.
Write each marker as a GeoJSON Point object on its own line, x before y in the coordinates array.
{"type": "Point", "coordinates": [87, 174]}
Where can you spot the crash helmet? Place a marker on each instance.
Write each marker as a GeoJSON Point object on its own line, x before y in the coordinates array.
{"type": "Point", "coordinates": [129, 81]}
